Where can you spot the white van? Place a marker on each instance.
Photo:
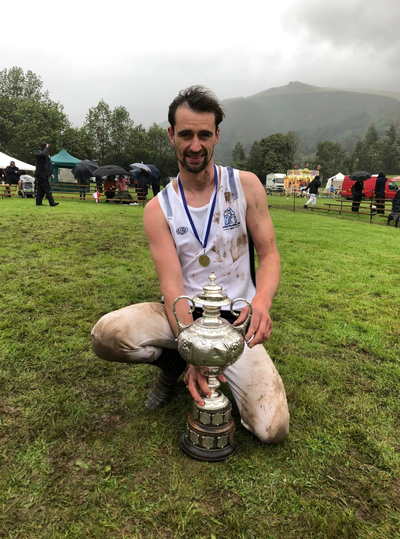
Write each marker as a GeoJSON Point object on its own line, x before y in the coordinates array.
{"type": "Point", "coordinates": [275, 182]}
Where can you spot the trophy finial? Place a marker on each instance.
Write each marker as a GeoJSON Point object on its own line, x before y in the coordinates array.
{"type": "Point", "coordinates": [212, 290]}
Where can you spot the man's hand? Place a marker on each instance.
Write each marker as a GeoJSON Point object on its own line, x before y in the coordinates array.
{"type": "Point", "coordinates": [195, 382]}
{"type": "Point", "coordinates": [260, 326]}
{"type": "Point", "coordinates": [52, 176]}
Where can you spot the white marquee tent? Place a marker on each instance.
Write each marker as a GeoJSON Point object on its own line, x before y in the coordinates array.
{"type": "Point", "coordinates": [5, 161]}
{"type": "Point", "coordinates": [336, 180]}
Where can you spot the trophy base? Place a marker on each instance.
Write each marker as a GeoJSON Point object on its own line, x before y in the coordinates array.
{"type": "Point", "coordinates": [210, 431]}
{"type": "Point", "coordinates": [210, 455]}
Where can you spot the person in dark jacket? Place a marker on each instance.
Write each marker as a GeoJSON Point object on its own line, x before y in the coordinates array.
{"type": "Point", "coordinates": [143, 185]}
{"type": "Point", "coordinates": [313, 191]}
{"type": "Point", "coordinates": [155, 185]}
{"type": "Point", "coordinates": [395, 213]}
{"type": "Point", "coordinates": [99, 183]}
{"type": "Point", "coordinates": [380, 187]}
{"type": "Point", "coordinates": [12, 174]}
{"type": "Point", "coordinates": [357, 192]}
{"type": "Point", "coordinates": [42, 173]}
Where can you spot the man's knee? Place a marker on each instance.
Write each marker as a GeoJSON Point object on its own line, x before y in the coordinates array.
{"type": "Point", "coordinates": [270, 430]}
{"type": "Point", "coordinates": [106, 343]}
{"type": "Point", "coordinates": [128, 335]}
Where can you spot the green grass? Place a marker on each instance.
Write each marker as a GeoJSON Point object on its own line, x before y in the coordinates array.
{"type": "Point", "coordinates": [80, 457]}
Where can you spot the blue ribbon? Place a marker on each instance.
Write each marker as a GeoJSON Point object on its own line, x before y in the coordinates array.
{"type": "Point", "coordinates": [211, 212]}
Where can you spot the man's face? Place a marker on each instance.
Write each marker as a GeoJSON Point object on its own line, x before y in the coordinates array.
{"type": "Point", "coordinates": [12, 164]}
{"type": "Point", "coordinates": [194, 138]}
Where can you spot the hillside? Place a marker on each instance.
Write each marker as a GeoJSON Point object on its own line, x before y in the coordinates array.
{"type": "Point", "coordinates": [315, 114]}
{"type": "Point", "coordinates": [395, 95]}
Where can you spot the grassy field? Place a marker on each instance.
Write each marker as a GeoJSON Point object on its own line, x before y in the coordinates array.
{"type": "Point", "coordinates": [80, 457]}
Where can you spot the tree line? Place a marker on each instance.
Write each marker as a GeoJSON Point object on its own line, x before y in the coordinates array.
{"type": "Point", "coordinates": [279, 153]}
{"type": "Point", "coordinates": [28, 117]}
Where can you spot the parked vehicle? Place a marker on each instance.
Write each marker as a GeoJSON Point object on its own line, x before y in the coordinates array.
{"type": "Point", "coordinates": [369, 188]}
{"type": "Point", "coordinates": [275, 182]}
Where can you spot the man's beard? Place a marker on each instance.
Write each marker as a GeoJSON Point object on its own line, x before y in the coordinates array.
{"type": "Point", "coordinates": [195, 169]}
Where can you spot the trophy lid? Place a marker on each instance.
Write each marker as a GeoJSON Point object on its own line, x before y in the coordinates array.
{"type": "Point", "coordinates": [212, 294]}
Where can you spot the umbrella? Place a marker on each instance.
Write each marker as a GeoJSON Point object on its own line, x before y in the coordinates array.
{"type": "Point", "coordinates": [360, 176]}
{"type": "Point", "coordinates": [108, 170]}
{"type": "Point", "coordinates": [151, 169]}
{"type": "Point", "coordinates": [140, 166]}
{"type": "Point", "coordinates": [84, 169]}
{"type": "Point", "coordinates": [154, 171]}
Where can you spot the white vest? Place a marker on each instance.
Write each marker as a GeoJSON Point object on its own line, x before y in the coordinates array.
{"type": "Point", "coordinates": [227, 246]}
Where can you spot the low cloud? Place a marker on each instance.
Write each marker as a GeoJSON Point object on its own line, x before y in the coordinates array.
{"type": "Point", "coordinates": [355, 24]}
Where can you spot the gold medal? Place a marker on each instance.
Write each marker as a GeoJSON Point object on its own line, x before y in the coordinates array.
{"type": "Point", "coordinates": [204, 261]}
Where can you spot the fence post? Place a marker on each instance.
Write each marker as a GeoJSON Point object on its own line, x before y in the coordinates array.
{"type": "Point", "coordinates": [294, 201]}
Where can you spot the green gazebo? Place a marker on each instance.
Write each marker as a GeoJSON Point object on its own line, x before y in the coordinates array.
{"type": "Point", "coordinates": [63, 160]}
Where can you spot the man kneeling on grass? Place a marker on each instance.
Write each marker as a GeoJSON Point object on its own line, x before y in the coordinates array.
{"type": "Point", "coordinates": [213, 214]}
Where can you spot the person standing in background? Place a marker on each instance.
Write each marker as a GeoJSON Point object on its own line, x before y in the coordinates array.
{"type": "Point", "coordinates": [42, 173]}
{"type": "Point", "coordinates": [143, 185]}
{"type": "Point", "coordinates": [155, 185]}
{"type": "Point", "coordinates": [313, 191]}
{"type": "Point", "coordinates": [380, 186]}
{"type": "Point", "coordinates": [357, 192]}
{"type": "Point", "coordinates": [99, 183]}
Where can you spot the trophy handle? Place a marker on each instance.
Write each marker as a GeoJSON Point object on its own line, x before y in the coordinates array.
{"type": "Point", "coordinates": [242, 327]}
{"type": "Point", "coordinates": [181, 326]}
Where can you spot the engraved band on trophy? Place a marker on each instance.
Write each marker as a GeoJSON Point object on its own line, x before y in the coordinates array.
{"type": "Point", "coordinates": [211, 344]}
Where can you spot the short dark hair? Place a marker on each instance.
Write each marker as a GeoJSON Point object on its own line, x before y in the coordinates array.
{"type": "Point", "coordinates": [199, 99]}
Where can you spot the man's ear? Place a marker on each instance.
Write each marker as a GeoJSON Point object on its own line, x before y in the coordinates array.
{"type": "Point", "coordinates": [171, 135]}
{"type": "Point", "coordinates": [217, 137]}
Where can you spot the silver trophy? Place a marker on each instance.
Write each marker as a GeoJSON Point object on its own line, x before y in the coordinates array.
{"type": "Point", "coordinates": [211, 344]}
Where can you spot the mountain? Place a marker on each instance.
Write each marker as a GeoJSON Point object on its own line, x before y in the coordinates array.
{"type": "Point", "coordinates": [315, 114]}
{"type": "Point", "coordinates": [395, 95]}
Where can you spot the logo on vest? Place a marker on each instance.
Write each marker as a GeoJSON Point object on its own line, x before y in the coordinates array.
{"type": "Point", "coordinates": [230, 219]}
{"type": "Point", "coordinates": [181, 230]}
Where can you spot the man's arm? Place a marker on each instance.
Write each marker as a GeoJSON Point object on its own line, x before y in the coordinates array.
{"type": "Point", "coordinates": [44, 152]}
{"type": "Point", "coordinates": [166, 261]}
{"type": "Point", "coordinates": [260, 228]}
{"type": "Point", "coordinates": [169, 272]}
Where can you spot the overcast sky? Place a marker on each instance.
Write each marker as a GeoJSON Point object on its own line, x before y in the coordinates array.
{"type": "Point", "coordinates": [140, 54]}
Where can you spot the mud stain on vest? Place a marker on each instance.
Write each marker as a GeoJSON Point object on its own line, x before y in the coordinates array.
{"type": "Point", "coordinates": [239, 247]}
{"type": "Point", "coordinates": [228, 197]}
{"type": "Point", "coordinates": [221, 255]}
{"type": "Point", "coordinates": [216, 217]}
